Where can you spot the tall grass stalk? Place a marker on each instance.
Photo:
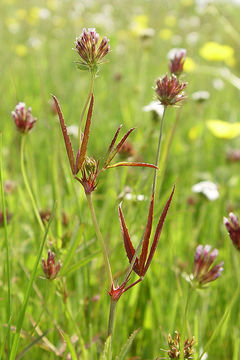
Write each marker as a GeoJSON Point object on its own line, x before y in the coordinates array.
{"type": "Point", "coordinates": [100, 238]}
{"type": "Point", "coordinates": [8, 271]}
{"type": "Point", "coordinates": [27, 185]}
{"type": "Point", "coordinates": [28, 291]}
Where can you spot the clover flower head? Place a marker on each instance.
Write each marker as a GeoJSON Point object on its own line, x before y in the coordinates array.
{"type": "Point", "coordinates": [23, 118]}
{"type": "Point", "coordinates": [90, 52]}
{"type": "Point", "coordinates": [50, 268]}
{"type": "Point", "coordinates": [233, 228]}
{"type": "Point", "coordinates": [177, 59]}
{"type": "Point", "coordinates": [203, 271]}
{"type": "Point", "coordinates": [170, 90]}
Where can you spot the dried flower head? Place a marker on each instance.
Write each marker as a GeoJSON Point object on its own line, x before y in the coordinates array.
{"type": "Point", "coordinates": [49, 267]}
{"type": "Point", "coordinates": [23, 118]}
{"type": "Point", "coordinates": [90, 53]}
{"type": "Point", "coordinates": [170, 90]}
{"type": "Point", "coordinates": [174, 351]}
{"type": "Point", "coordinates": [203, 271]}
{"type": "Point", "coordinates": [177, 59]}
{"type": "Point", "coordinates": [233, 228]}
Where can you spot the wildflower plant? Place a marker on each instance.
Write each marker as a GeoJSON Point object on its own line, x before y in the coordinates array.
{"type": "Point", "coordinates": [50, 267]}
{"type": "Point", "coordinates": [233, 228]}
{"type": "Point", "coordinates": [203, 271]}
{"type": "Point", "coordinates": [174, 344]}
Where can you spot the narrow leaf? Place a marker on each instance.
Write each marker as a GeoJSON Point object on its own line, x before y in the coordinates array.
{"type": "Point", "coordinates": [66, 137]}
{"type": "Point", "coordinates": [70, 347]}
{"type": "Point", "coordinates": [83, 149]}
{"type": "Point", "coordinates": [147, 235]}
{"type": "Point", "coordinates": [127, 241]}
{"type": "Point", "coordinates": [158, 231]}
{"type": "Point", "coordinates": [34, 342]}
{"type": "Point", "coordinates": [106, 354]}
{"type": "Point", "coordinates": [23, 308]}
{"type": "Point", "coordinates": [127, 346]}
{"type": "Point", "coordinates": [124, 163]}
{"type": "Point", "coordinates": [118, 147]}
{"type": "Point", "coordinates": [112, 144]}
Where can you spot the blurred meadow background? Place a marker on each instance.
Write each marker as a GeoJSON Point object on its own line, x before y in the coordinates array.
{"type": "Point", "coordinates": [70, 313]}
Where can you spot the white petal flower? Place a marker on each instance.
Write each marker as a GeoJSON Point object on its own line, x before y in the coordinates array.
{"type": "Point", "coordinates": [207, 188]}
{"type": "Point", "coordinates": [73, 130]}
{"type": "Point", "coordinates": [154, 106]}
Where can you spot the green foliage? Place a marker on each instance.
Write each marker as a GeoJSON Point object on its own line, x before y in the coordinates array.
{"type": "Point", "coordinates": [71, 311]}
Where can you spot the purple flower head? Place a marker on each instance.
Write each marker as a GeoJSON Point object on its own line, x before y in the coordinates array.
{"type": "Point", "coordinates": [232, 226]}
{"type": "Point", "coordinates": [170, 90]}
{"type": "Point", "coordinates": [177, 59]}
{"type": "Point", "coordinates": [90, 52]}
{"type": "Point", "coordinates": [203, 271]}
{"type": "Point", "coordinates": [23, 118]}
{"type": "Point", "coordinates": [49, 267]}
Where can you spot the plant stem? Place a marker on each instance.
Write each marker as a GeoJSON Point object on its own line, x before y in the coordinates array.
{"type": "Point", "coordinates": [111, 321]}
{"type": "Point", "coordinates": [85, 107]}
{"type": "Point", "coordinates": [100, 238]}
{"type": "Point", "coordinates": [184, 324]}
{"type": "Point", "coordinates": [26, 183]}
{"type": "Point", "coordinates": [111, 317]}
{"type": "Point", "coordinates": [8, 308]}
{"type": "Point", "coordinates": [158, 151]}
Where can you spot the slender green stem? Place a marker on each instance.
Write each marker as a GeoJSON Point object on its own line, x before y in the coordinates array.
{"type": "Point", "coordinates": [158, 151]}
{"type": "Point", "coordinates": [100, 238]}
{"type": "Point", "coordinates": [93, 74]}
{"type": "Point", "coordinates": [111, 321]}
{"type": "Point", "coordinates": [26, 183]}
{"type": "Point", "coordinates": [221, 322]}
{"type": "Point", "coordinates": [111, 317]}
{"type": "Point", "coordinates": [28, 291]}
{"type": "Point", "coordinates": [8, 308]}
{"type": "Point", "coordinates": [184, 323]}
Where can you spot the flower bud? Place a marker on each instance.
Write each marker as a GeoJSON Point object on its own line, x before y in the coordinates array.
{"type": "Point", "coordinates": [49, 267]}
{"type": "Point", "coordinates": [232, 226]}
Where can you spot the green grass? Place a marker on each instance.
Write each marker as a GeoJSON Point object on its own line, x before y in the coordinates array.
{"type": "Point", "coordinates": [156, 305]}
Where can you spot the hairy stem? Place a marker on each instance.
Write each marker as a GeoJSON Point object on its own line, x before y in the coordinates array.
{"type": "Point", "coordinates": [85, 108]}
{"type": "Point", "coordinates": [28, 188]}
{"type": "Point", "coordinates": [100, 238]}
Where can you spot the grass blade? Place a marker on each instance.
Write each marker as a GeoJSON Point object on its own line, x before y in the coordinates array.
{"type": "Point", "coordinates": [8, 307]}
{"type": "Point", "coordinates": [127, 346]}
{"type": "Point", "coordinates": [28, 291]}
{"type": "Point", "coordinates": [80, 264]}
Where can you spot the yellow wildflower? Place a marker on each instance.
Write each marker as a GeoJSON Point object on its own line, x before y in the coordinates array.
{"type": "Point", "coordinates": [213, 51]}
